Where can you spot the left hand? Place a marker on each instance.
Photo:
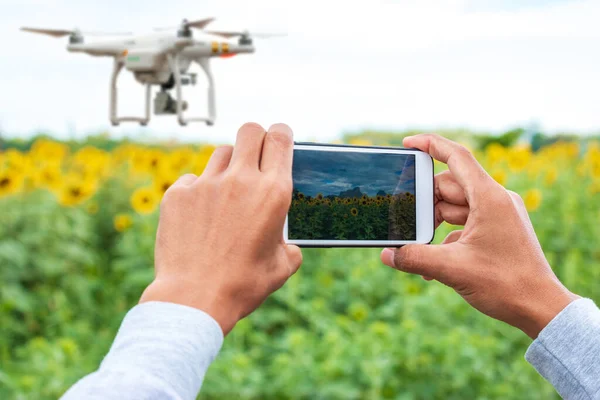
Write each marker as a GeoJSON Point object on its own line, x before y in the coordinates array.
{"type": "Point", "coordinates": [219, 244]}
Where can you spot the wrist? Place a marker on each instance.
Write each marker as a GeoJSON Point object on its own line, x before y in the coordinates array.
{"type": "Point", "coordinates": [205, 300]}
{"type": "Point", "coordinates": [545, 303]}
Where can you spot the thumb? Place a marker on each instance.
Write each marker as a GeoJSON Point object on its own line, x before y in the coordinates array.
{"type": "Point", "coordinates": [434, 261]}
{"type": "Point", "coordinates": [294, 257]}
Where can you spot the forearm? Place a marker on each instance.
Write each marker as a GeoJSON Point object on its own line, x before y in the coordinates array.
{"type": "Point", "coordinates": [567, 351]}
{"type": "Point", "coordinates": [162, 350]}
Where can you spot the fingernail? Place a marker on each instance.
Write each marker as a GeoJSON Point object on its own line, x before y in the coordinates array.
{"type": "Point", "coordinates": [281, 128]}
{"type": "Point", "coordinates": [387, 256]}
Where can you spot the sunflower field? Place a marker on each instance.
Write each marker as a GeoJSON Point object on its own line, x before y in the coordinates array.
{"type": "Point", "coordinates": [380, 217]}
{"type": "Point", "coordinates": [77, 226]}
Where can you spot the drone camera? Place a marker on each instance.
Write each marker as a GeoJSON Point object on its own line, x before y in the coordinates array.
{"type": "Point", "coordinates": [165, 104]}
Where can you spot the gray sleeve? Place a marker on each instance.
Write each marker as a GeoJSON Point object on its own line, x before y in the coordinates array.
{"type": "Point", "coordinates": [162, 351]}
{"type": "Point", "coordinates": [567, 351]}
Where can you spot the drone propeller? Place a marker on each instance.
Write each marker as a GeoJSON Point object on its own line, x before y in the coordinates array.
{"type": "Point", "coordinates": [63, 32]}
{"type": "Point", "coordinates": [245, 34]}
{"type": "Point", "coordinates": [198, 24]}
{"type": "Point", "coordinates": [185, 24]}
{"type": "Point", "coordinates": [50, 32]}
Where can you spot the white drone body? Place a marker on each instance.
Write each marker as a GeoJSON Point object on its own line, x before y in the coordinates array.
{"type": "Point", "coordinates": [162, 59]}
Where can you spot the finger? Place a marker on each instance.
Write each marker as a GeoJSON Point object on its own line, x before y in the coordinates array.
{"type": "Point", "coordinates": [432, 261]}
{"type": "Point", "coordinates": [184, 180]}
{"type": "Point", "coordinates": [294, 257]}
{"type": "Point", "coordinates": [448, 190]}
{"type": "Point", "coordinates": [452, 237]}
{"type": "Point", "coordinates": [278, 148]}
{"type": "Point", "coordinates": [466, 170]}
{"type": "Point", "coordinates": [219, 160]}
{"type": "Point", "coordinates": [248, 146]}
{"type": "Point", "coordinates": [451, 213]}
{"type": "Point", "coordinates": [286, 270]}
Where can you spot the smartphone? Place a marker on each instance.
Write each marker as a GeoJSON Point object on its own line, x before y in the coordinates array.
{"type": "Point", "coordinates": [360, 196]}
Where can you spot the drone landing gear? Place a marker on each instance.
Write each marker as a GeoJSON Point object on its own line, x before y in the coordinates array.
{"type": "Point", "coordinates": [181, 105]}
{"type": "Point", "coordinates": [114, 119]}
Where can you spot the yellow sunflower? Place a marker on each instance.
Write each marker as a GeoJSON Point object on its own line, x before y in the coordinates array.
{"type": "Point", "coordinates": [533, 199]}
{"type": "Point", "coordinates": [495, 153]}
{"type": "Point", "coordinates": [180, 159]}
{"type": "Point", "coordinates": [518, 158]}
{"type": "Point", "coordinates": [75, 191]}
{"type": "Point", "coordinates": [319, 196]}
{"type": "Point", "coordinates": [91, 161]}
{"type": "Point", "coordinates": [48, 151]}
{"type": "Point", "coordinates": [10, 182]}
{"type": "Point", "coordinates": [164, 180]}
{"type": "Point", "coordinates": [154, 160]}
{"type": "Point", "coordinates": [551, 176]}
{"type": "Point", "coordinates": [144, 200]}
{"type": "Point", "coordinates": [499, 176]}
{"type": "Point", "coordinates": [48, 177]}
{"type": "Point", "coordinates": [16, 161]}
{"type": "Point", "coordinates": [201, 159]}
{"type": "Point", "coordinates": [122, 222]}
{"type": "Point", "coordinates": [354, 212]}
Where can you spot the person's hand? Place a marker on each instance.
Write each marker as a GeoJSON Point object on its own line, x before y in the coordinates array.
{"type": "Point", "coordinates": [496, 263]}
{"type": "Point", "coordinates": [219, 244]}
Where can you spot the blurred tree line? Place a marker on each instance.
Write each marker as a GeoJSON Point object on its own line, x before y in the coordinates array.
{"type": "Point", "coordinates": [474, 139]}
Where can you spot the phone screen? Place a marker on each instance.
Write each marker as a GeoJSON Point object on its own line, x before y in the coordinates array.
{"type": "Point", "coordinates": [341, 195]}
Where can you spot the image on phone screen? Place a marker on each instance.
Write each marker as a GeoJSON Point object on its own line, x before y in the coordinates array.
{"type": "Point", "coordinates": [352, 196]}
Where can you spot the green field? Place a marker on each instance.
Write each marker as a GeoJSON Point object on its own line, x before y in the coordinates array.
{"type": "Point", "coordinates": [76, 250]}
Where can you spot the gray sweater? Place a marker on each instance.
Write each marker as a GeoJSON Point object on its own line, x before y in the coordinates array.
{"type": "Point", "coordinates": [162, 351]}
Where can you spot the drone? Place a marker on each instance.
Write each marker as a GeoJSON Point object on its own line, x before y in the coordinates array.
{"type": "Point", "coordinates": [162, 58]}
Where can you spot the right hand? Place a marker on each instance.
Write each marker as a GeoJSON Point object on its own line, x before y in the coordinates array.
{"type": "Point", "coordinates": [496, 263]}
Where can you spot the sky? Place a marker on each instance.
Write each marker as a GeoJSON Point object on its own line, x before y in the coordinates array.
{"type": "Point", "coordinates": [331, 173]}
{"type": "Point", "coordinates": [344, 66]}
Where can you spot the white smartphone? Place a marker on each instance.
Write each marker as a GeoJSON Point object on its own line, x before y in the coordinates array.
{"type": "Point", "coordinates": [360, 196]}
